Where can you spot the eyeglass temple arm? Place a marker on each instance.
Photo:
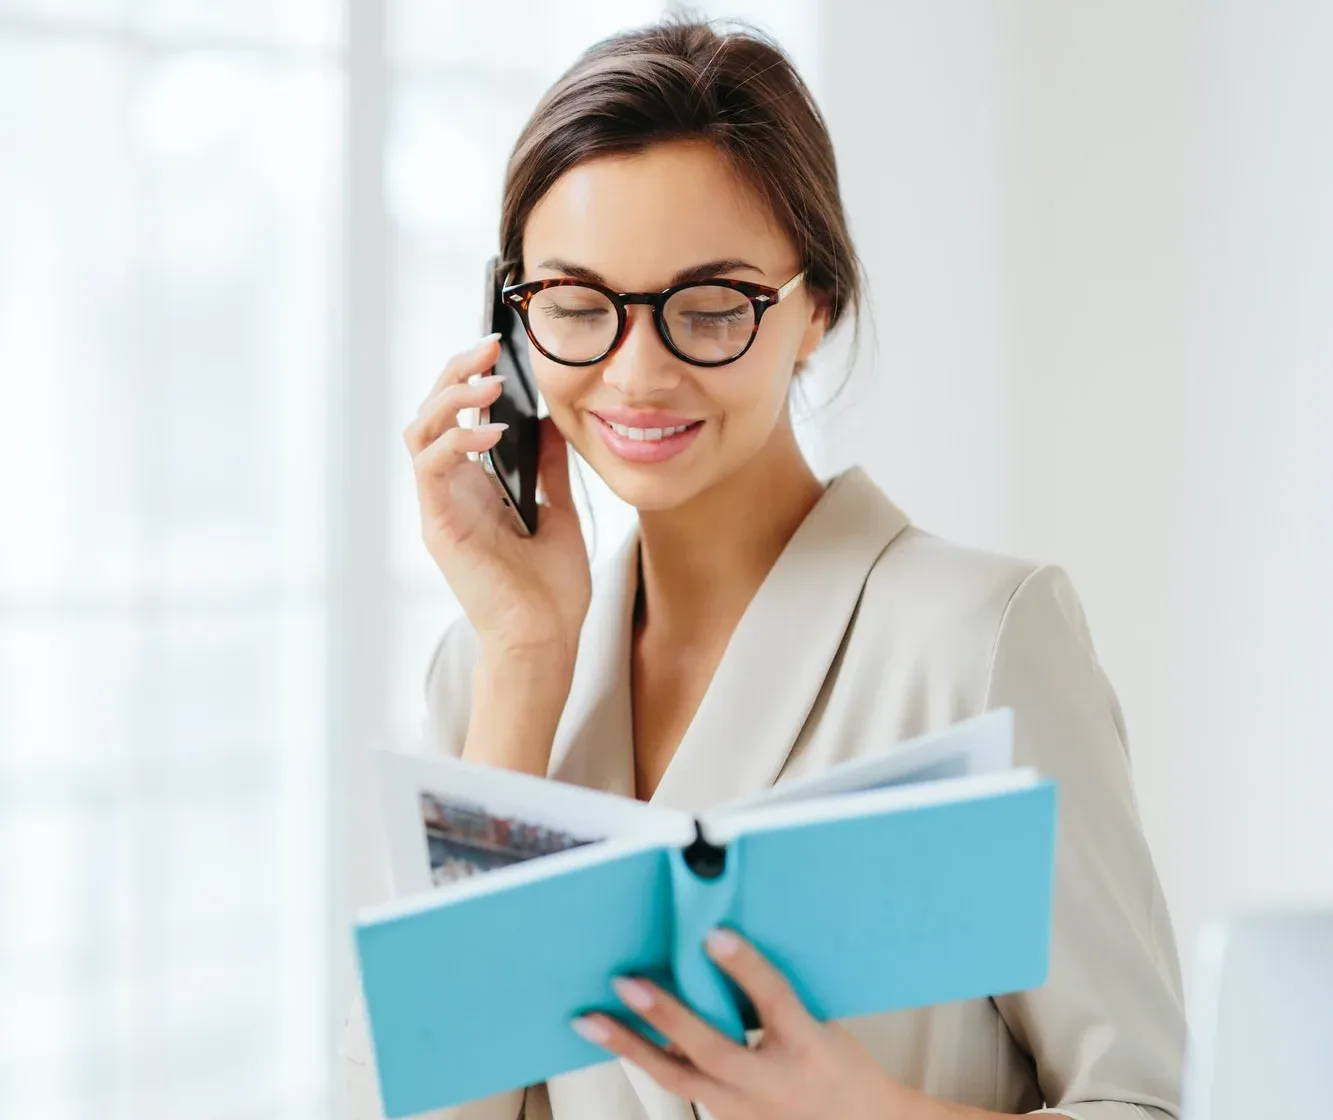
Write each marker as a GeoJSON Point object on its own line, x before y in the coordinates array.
{"type": "Point", "coordinates": [790, 286]}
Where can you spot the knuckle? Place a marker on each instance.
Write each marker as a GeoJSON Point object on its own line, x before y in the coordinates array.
{"type": "Point", "coordinates": [429, 458]}
{"type": "Point", "coordinates": [433, 405]}
{"type": "Point", "coordinates": [454, 396]}
{"type": "Point", "coordinates": [674, 1077]}
{"type": "Point", "coordinates": [725, 1063]}
{"type": "Point", "coordinates": [469, 392]}
{"type": "Point", "coordinates": [460, 367]}
{"type": "Point", "coordinates": [776, 999]}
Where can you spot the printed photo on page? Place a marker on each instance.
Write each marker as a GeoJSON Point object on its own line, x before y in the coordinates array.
{"type": "Point", "coordinates": [464, 839]}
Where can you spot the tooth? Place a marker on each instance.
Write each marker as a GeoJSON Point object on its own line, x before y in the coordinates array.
{"type": "Point", "coordinates": [646, 434]}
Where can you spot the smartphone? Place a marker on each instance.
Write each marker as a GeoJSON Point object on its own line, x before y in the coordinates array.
{"type": "Point", "coordinates": [512, 463]}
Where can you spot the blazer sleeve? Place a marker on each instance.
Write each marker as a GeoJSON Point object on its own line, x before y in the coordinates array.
{"type": "Point", "coordinates": [1107, 1030]}
{"type": "Point", "coordinates": [448, 698]}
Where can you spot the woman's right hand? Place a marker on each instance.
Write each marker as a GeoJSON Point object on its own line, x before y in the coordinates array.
{"type": "Point", "coordinates": [523, 595]}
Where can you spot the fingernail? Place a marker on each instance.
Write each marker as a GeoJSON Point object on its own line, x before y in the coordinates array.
{"type": "Point", "coordinates": [488, 339]}
{"type": "Point", "coordinates": [635, 994]}
{"type": "Point", "coordinates": [496, 426]}
{"type": "Point", "coordinates": [723, 943]}
{"type": "Point", "coordinates": [591, 1029]}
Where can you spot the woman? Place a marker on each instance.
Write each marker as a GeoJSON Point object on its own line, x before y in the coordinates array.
{"type": "Point", "coordinates": [759, 623]}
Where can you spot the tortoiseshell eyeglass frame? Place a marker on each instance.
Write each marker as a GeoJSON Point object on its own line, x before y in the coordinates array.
{"type": "Point", "coordinates": [761, 297]}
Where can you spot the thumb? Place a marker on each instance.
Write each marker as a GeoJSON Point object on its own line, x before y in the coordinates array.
{"type": "Point", "coordinates": [553, 467]}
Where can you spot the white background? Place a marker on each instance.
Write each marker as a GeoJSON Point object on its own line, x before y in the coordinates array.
{"type": "Point", "coordinates": [1101, 248]}
{"type": "Point", "coordinates": [236, 243]}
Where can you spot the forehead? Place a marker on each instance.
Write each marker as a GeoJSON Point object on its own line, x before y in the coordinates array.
{"type": "Point", "coordinates": [637, 219]}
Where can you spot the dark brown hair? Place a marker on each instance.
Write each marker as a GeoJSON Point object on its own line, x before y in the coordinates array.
{"type": "Point", "coordinates": [684, 79]}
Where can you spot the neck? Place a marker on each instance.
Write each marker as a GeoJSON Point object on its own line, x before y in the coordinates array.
{"type": "Point", "coordinates": [702, 562]}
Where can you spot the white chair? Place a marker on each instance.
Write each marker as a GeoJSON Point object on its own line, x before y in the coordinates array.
{"type": "Point", "coordinates": [1261, 1038]}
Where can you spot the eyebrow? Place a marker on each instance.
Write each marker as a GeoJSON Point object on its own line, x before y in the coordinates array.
{"type": "Point", "coordinates": [706, 271]}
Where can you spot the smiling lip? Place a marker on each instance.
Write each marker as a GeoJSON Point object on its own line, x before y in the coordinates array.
{"type": "Point", "coordinates": [636, 418]}
{"type": "Point", "coordinates": [645, 450]}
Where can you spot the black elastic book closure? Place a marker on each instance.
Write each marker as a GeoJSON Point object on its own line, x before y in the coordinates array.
{"type": "Point", "coordinates": [705, 859]}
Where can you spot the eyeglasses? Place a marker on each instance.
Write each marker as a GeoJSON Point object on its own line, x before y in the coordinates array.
{"type": "Point", "coordinates": [704, 322]}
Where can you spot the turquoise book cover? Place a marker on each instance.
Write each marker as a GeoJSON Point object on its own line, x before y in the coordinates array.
{"type": "Point", "coordinates": [921, 876]}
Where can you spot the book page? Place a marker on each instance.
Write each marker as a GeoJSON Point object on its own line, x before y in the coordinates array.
{"type": "Point", "coordinates": [448, 820]}
{"type": "Point", "coordinates": [981, 745]}
{"type": "Point", "coordinates": [886, 798]}
{"type": "Point", "coordinates": [464, 838]}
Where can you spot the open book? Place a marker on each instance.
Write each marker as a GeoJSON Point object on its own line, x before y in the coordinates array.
{"type": "Point", "coordinates": [915, 876]}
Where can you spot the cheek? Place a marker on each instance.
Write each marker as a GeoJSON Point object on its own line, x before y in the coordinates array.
{"type": "Point", "coordinates": [560, 386]}
{"type": "Point", "coordinates": [565, 389]}
{"type": "Point", "coordinates": [754, 389]}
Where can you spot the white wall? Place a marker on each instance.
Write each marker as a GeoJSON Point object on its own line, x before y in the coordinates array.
{"type": "Point", "coordinates": [1101, 245]}
{"type": "Point", "coordinates": [918, 100]}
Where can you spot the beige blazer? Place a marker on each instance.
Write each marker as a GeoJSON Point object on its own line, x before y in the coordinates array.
{"type": "Point", "coordinates": [868, 631]}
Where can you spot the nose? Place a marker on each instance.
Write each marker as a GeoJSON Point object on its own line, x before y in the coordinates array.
{"type": "Point", "coordinates": [641, 364]}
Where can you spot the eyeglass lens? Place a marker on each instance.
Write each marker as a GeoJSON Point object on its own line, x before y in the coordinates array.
{"type": "Point", "coordinates": [705, 322]}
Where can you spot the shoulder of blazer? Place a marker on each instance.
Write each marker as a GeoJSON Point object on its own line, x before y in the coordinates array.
{"type": "Point", "coordinates": [940, 603]}
{"type": "Point", "coordinates": [940, 577]}
{"type": "Point", "coordinates": [946, 576]}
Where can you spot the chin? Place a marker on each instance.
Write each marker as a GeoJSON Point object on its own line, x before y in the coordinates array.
{"type": "Point", "coordinates": [649, 489]}
{"type": "Point", "coordinates": [647, 486]}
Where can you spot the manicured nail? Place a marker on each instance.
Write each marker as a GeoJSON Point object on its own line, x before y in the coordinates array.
{"type": "Point", "coordinates": [487, 340]}
{"type": "Point", "coordinates": [635, 994]}
{"type": "Point", "coordinates": [591, 1029]}
{"type": "Point", "coordinates": [496, 426]}
{"type": "Point", "coordinates": [723, 943]}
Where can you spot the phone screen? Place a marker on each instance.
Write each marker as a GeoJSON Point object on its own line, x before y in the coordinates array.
{"type": "Point", "coordinates": [513, 460]}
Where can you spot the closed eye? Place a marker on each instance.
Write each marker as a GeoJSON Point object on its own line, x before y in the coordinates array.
{"type": "Point", "coordinates": [721, 316]}
{"type": "Point", "coordinates": [555, 311]}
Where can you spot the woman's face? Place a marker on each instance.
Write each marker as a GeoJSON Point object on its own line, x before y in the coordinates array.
{"type": "Point", "coordinates": [636, 223]}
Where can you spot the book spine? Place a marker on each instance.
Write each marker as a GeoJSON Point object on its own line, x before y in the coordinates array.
{"type": "Point", "coordinates": [704, 879]}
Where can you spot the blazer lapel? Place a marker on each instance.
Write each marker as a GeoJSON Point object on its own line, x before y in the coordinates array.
{"type": "Point", "coordinates": [781, 651]}
{"type": "Point", "coordinates": [594, 740]}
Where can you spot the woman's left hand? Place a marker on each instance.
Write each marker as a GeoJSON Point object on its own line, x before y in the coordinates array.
{"type": "Point", "coordinates": [800, 1070]}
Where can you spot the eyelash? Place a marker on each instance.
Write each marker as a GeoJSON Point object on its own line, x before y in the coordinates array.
{"type": "Point", "coordinates": [721, 316]}
{"type": "Point", "coordinates": [557, 312]}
